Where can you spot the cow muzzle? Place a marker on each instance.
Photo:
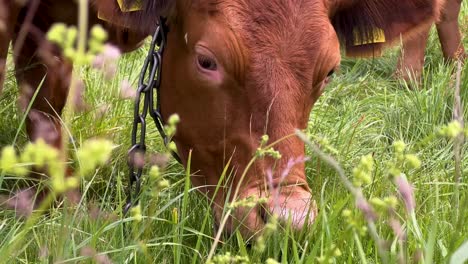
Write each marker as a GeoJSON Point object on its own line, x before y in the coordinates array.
{"type": "Point", "coordinates": [289, 206]}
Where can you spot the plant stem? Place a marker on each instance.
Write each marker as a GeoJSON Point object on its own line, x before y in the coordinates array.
{"type": "Point", "coordinates": [457, 147]}
{"type": "Point", "coordinates": [362, 255]}
{"type": "Point", "coordinates": [236, 193]}
{"type": "Point", "coordinates": [228, 213]}
{"type": "Point", "coordinates": [357, 193]}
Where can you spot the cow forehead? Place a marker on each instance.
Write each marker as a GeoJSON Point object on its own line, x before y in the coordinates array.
{"type": "Point", "coordinates": [283, 37]}
{"type": "Point", "coordinates": [263, 20]}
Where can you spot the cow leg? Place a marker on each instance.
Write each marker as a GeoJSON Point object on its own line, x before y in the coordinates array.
{"type": "Point", "coordinates": [44, 72]}
{"type": "Point", "coordinates": [41, 70]}
{"type": "Point", "coordinates": [449, 31]}
{"type": "Point", "coordinates": [8, 15]}
{"type": "Point", "coordinates": [411, 61]}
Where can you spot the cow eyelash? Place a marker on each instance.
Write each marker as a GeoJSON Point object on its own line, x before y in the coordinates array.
{"type": "Point", "coordinates": [207, 63]}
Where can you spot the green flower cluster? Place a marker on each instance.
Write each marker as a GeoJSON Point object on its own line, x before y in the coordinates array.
{"type": "Point", "coordinates": [38, 154]}
{"type": "Point", "coordinates": [270, 152]}
{"type": "Point", "coordinates": [248, 202]}
{"type": "Point", "coordinates": [363, 172]}
{"type": "Point", "coordinates": [353, 222]}
{"type": "Point", "coordinates": [66, 37]}
{"type": "Point", "coordinates": [385, 204]}
{"type": "Point", "coordinates": [270, 228]}
{"type": "Point", "coordinates": [264, 140]}
{"type": "Point", "coordinates": [228, 258]}
{"type": "Point", "coordinates": [170, 129]}
{"type": "Point", "coordinates": [453, 130]}
{"type": "Point", "coordinates": [42, 156]}
{"type": "Point", "coordinates": [324, 144]}
{"type": "Point", "coordinates": [11, 163]}
{"type": "Point", "coordinates": [330, 255]}
{"type": "Point", "coordinates": [92, 154]}
{"type": "Point", "coordinates": [263, 150]}
{"type": "Point", "coordinates": [158, 183]}
{"type": "Point", "coordinates": [401, 160]}
{"type": "Point", "coordinates": [135, 212]}
{"type": "Point", "coordinates": [45, 157]}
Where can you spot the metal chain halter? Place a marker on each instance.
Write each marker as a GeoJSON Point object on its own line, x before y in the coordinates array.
{"type": "Point", "coordinates": [147, 99]}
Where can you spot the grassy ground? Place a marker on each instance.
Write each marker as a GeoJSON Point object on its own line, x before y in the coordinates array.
{"type": "Point", "coordinates": [363, 111]}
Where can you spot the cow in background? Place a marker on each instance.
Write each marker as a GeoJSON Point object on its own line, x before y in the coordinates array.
{"type": "Point", "coordinates": [411, 61]}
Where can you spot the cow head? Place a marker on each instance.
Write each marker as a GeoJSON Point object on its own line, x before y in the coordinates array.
{"type": "Point", "coordinates": [235, 70]}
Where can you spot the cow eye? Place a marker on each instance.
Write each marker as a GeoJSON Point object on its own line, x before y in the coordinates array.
{"type": "Point", "coordinates": [207, 63]}
{"type": "Point", "coordinates": [331, 73]}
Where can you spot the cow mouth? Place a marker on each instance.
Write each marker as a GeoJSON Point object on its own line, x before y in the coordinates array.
{"type": "Point", "coordinates": [290, 206]}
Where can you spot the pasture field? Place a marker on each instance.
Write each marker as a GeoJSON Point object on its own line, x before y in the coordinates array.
{"type": "Point", "coordinates": [363, 111]}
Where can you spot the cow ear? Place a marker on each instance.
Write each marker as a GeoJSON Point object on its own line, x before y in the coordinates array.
{"type": "Point", "coordinates": [138, 15]}
{"type": "Point", "coordinates": [365, 27]}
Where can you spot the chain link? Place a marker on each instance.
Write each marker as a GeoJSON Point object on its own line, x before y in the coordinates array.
{"type": "Point", "coordinates": [147, 99]}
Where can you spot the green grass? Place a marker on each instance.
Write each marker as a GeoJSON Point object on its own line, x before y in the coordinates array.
{"type": "Point", "coordinates": [363, 111]}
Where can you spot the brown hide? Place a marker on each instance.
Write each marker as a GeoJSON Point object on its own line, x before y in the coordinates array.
{"type": "Point", "coordinates": [233, 70]}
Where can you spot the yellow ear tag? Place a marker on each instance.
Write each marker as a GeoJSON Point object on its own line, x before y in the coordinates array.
{"type": "Point", "coordinates": [107, 17]}
{"type": "Point", "coordinates": [378, 36]}
{"type": "Point", "coordinates": [135, 7]}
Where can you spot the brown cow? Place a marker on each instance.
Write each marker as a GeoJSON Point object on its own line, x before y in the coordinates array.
{"type": "Point", "coordinates": [233, 70]}
{"type": "Point", "coordinates": [411, 60]}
